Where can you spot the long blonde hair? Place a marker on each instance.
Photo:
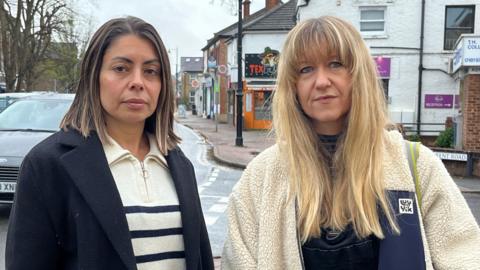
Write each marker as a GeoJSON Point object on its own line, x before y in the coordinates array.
{"type": "Point", "coordinates": [357, 194]}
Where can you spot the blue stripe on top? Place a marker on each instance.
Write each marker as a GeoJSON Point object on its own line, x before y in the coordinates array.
{"type": "Point", "coordinates": [160, 256]}
{"type": "Point", "coordinates": [152, 209]}
{"type": "Point", "coordinates": [155, 233]}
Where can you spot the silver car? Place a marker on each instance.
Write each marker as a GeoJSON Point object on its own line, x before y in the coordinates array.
{"type": "Point", "coordinates": [22, 125]}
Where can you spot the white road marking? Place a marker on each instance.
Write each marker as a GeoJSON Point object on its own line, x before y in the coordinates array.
{"type": "Point", "coordinates": [218, 208]}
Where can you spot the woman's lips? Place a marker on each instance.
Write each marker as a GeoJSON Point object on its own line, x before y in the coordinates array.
{"type": "Point", "coordinates": [135, 104]}
{"type": "Point", "coordinates": [324, 99]}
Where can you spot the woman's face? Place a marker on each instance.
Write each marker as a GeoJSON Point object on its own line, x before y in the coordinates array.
{"type": "Point", "coordinates": [324, 91]}
{"type": "Point", "coordinates": [130, 81]}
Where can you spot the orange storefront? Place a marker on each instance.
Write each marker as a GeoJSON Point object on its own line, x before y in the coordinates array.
{"type": "Point", "coordinates": [260, 78]}
{"type": "Point", "coordinates": [257, 106]}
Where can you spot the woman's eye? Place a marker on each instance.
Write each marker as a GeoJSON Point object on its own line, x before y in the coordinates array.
{"type": "Point", "coordinates": [152, 71]}
{"type": "Point", "coordinates": [306, 69]}
{"type": "Point", "coordinates": [120, 68]}
{"type": "Point", "coordinates": [335, 64]}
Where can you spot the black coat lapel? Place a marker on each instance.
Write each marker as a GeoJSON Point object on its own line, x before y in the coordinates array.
{"type": "Point", "coordinates": [88, 167]}
{"type": "Point", "coordinates": [183, 177]}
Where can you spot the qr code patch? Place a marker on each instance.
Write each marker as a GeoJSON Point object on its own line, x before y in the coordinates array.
{"type": "Point", "coordinates": [405, 206]}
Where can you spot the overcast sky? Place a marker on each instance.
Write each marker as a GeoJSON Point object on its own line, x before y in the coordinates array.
{"type": "Point", "coordinates": [186, 24]}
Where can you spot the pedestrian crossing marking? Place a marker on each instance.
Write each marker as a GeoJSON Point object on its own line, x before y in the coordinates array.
{"type": "Point", "coordinates": [218, 208]}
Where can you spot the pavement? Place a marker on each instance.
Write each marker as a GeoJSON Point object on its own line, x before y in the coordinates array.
{"type": "Point", "coordinates": [222, 138]}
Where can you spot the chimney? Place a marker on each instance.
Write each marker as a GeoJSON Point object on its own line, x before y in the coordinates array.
{"type": "Point", "coordinates": [246, 8]}
{"type": "Point", "coordinates": [269, 4]}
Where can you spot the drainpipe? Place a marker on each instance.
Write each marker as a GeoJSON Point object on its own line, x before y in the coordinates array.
{"type": "Point", "coordinates": [420, 69]}
{"type": "Point", "coordinates": [296, 17]}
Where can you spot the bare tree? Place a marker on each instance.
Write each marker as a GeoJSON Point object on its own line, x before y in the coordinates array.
{"type": "Point", "coordinates": [61, 63]}
{"type": "Point", "coordinates": [231, 5]}
{"type": "Point", "coordinates": [26, 30]}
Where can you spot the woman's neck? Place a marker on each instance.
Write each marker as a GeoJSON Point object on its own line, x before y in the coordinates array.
{"type": "Point", "coordinates": [134, 140]}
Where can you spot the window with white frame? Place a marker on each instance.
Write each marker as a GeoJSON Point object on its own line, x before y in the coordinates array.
{"type": "Point", "coordinates": [372, 20]}
{"type": "Point", "coordinates": [192, 97]}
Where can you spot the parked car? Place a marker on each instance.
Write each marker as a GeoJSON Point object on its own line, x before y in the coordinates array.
{"type": "Point", "coordinates": [22, 125]}
{"type": "Point", "coordinates": [6, 99]}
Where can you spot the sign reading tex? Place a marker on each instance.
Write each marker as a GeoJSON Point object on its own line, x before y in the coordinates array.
{"type": "Point", "coordinates": [263, 65]}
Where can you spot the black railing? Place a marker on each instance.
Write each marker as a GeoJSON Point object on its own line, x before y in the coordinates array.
{"type": "Point", "coordinates": [429, 129]}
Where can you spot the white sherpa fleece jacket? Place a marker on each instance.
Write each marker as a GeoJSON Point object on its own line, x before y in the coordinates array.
{"type": "Point", "coordinates": [262, 230]}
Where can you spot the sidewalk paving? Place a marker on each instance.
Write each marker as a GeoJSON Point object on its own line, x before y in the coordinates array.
{"type": "Point", "coordinates": [222, 138]}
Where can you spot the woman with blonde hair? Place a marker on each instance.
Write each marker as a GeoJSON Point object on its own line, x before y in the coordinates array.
{"type": "Point", "coordinates": [336, 191]}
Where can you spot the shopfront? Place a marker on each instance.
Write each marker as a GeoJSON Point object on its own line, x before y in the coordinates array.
{"type": "Point", "coordinates": [257, 108]}
{"type": "Point", "coordinates": [260, 78]}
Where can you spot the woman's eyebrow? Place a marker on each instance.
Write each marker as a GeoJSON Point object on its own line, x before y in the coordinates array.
{"type": "Point", "coordinates": [152, 61]}
{"type": "Point", "coordinates": [128, 60]}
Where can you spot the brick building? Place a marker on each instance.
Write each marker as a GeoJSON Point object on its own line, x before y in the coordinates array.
{"type": "Point", "coordinates": [191, 71]}
{"type": "Point", "coordinates": [266, 28]}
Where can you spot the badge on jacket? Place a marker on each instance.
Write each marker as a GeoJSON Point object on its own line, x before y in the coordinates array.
{"type": "Point", "coordinates": [405, 206]}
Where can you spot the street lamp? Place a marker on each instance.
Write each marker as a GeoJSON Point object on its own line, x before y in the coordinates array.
{"type": "Point", "coordinates": [176, 69]}
{"type": "Point", "coordinates": [239, 94]}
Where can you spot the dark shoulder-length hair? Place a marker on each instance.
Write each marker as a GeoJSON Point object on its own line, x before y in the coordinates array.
{"type": "Point", "coordinates": [86, 113]}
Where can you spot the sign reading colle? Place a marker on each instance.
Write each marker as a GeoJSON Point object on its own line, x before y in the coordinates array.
{"type": "Point", "coordinates": [467, 52]}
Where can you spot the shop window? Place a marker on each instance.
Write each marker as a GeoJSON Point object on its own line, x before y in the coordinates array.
{"type": "Point", "coordinates": [458, 20]}
{"type": "Point", "coordinates": [385, 90]}
{"type": "Point", "coordinates": [263, 102]}
{"type": "Point", "coordinates": [372, 20]}
{"type": "Point", "coordinates": [192, 97]}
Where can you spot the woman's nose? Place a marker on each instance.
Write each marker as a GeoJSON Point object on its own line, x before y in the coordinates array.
{"type": "Point", "coordinates": [137, 79]}
{"type": "Point", "coordinates": [322, 79]}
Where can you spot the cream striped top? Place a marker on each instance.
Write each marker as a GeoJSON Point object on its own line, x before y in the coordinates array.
{"type": "Point", "coordinates": [151, 206]}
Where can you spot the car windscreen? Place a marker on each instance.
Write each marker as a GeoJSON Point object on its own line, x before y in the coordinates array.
{"type": "Point", "coordinates": [34, 115]}
{"type": "Point", "coordinates": [3, 103]}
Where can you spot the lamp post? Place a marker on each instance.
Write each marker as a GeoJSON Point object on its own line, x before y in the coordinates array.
{"type": "Point", "coordinates": [239, 94]}
{"type": "Point", "coordinates": [176, 69]}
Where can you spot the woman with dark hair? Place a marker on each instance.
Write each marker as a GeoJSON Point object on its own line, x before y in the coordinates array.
{"type": "Point", "coordinates": [112, 190]}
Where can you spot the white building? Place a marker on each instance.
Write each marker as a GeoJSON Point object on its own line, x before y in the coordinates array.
{"type": "Point", "coordinates": [393, 31]}
{"type": "Point", "coordinates": [263, 35]}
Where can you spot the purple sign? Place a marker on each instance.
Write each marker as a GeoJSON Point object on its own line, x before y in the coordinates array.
{"type": "Point", "coordinates": [383, 66]}
{"type": "Point", "coordinates": [438, 101]}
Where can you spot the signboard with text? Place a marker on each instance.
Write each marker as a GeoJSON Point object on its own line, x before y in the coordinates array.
{"type": "Point", "coordinates": [383, 66]}
{"type": "Point", "coordinates": [442, 101]}
{"type": "Point", "coordinates": [262, 65]}
{"type": "Point", "coordinates": [452, 156]}
{"type": "Point", "coordinates": [467, 52]}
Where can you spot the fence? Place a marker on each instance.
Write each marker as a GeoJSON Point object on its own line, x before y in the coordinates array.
{"type": "Point", "coordinates": [426, 129]}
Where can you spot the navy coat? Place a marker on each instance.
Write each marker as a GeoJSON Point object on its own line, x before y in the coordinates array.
{"type": "Point", "coordinates": [68, 214]}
